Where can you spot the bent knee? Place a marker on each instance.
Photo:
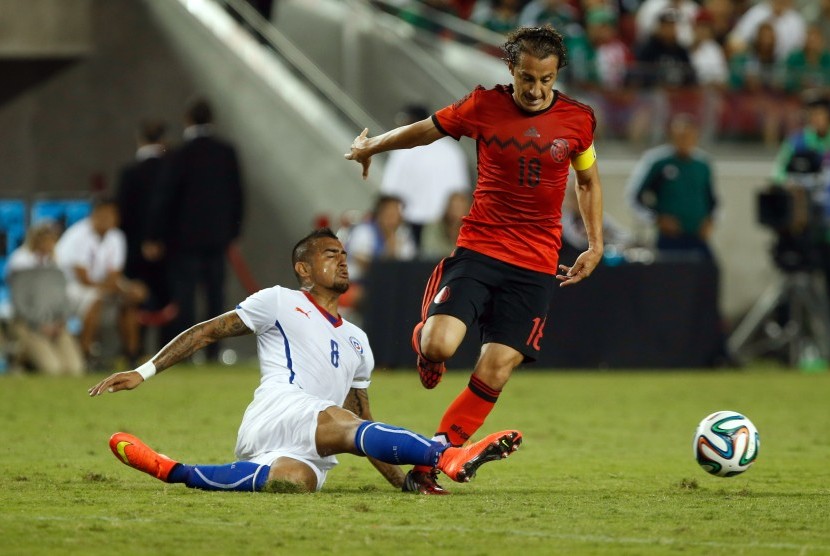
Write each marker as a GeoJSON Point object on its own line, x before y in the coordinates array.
{"type": "Point", "coordinates": [436, 350]}
{"type": "Point", "coordinates": [440, 339]}
{"type": "Point", "coordinates": [288, 475]}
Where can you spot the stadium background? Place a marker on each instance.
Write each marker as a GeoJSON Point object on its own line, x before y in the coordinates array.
{"type": "Point", "coordinates": [79, 74]}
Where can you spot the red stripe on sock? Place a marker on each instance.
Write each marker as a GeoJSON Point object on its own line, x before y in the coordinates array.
{"type": "Point", "coordinates": [479, 387]}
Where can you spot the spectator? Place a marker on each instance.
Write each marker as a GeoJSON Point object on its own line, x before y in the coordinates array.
{"type": "Point", "coordinates": [724, 15]}
{"type": "Point", "coordinates": [662, 60]}
{"type": "Point", "coordinates": [91, 253]}
{"type": "Point", "coordinates": [648, 19]}
{"type": "Point", "coordinates": [708, 57]}
{"type": "Point", "coordinates": [385, 236]}
{"type": "Point", "coordinates": [196, 216]}
{"type": "Point", "coordinates": [789, 25]}
{"type": "Point", "coordinates": [558, 13]}
{"type": "Point", "coordinates": [663, 67]}
{"type": "Point", "coordinates": [817, 12]}
{"type": "Point", "coordinates": [41, 307]}
{"type": "Point", "coordinates": [424, 177]}
{"type": "Point", "coordinates": [599, 63]}
{"type": "Point", "coordinates": [138, 186]}
{"type": "Point", "coordinates": [673, 187]}
{"type": "Point", "coordinates": [613, 57]}
{"type": "Point", "coordinates": [809, 67]}
{"type": "Point", "coordinates": [500, 16]}
{"type": "Point", "coordinates": [757, 69]}
{"type": "Point", "coordinates": [439, 237]}
{"type": "Point", "coordinates": [758, 77]}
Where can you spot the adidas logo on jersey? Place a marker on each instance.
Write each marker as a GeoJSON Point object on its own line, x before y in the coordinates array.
{"type": "Point", "coordinates": [532, 133]}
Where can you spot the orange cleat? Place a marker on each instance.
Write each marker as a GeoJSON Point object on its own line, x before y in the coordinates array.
{"type": "Point", "coordinates": [135, 453]}
{"type": "Point", "coordinates": [461, 464]}
{"type": "Point", "coordinates": [430, 372]}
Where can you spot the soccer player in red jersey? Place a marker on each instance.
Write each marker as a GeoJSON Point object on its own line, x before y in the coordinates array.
{"type": "Point", "coordinates": [504, 269]}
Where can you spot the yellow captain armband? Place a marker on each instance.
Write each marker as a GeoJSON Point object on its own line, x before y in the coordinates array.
{"type": "Point", "coordinates": [585, 159]}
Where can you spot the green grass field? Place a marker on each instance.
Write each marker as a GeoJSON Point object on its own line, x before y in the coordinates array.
{"type": "Point", "coordinates": [606, 468]}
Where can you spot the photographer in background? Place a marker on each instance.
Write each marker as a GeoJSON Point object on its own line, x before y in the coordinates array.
{"type": "Point", "coordinates": [803, 167]}
{"type": "Point", "coordinates": [806, 152]}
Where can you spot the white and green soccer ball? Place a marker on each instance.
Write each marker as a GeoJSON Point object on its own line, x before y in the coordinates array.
{"type": "Point", "coordinates": [726, 443]}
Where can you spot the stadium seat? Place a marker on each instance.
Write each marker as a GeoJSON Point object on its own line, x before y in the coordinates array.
{"type": "Point", "coordinates": [12, 233]}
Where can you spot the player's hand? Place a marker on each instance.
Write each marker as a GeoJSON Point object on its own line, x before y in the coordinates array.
{"type": "Point", "coordinates": [581, 269]}
{"type": "Point", "coordinates": [669, 225]}
{"type": "Point", "coordinates": [116, 382]}
{"type": "Point", "coordinates": [152, 250]}
{"type": "Point", "coordinates": [705, 231]}
{"type": "Point", "coordinates": [359, 152]}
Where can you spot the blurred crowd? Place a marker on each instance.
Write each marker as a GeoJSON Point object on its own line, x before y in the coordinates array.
{"type": "Point", "coordinates": [86, 297]}
{"type": "Point", "coordinates": [737, 64]}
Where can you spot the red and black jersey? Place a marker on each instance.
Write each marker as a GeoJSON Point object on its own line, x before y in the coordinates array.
{"type": "Point", "coordinates": [523, 162]}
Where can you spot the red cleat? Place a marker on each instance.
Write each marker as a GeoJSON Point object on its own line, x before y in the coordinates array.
{"type": "Point", "coordinates": [135, 453]}
{"type": "Point", "coordinates": [461, 464]}
{"type": "Point", "coordinates": [423, 482]}
{"type": "Point", "coordinates": [430, 372]}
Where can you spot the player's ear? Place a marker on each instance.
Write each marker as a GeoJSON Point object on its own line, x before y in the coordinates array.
{"type": "Point", "coordinates": [302, 269]}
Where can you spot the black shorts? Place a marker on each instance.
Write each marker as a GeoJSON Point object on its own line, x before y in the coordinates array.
{"type": "Point", "coordinates": [510, 303]}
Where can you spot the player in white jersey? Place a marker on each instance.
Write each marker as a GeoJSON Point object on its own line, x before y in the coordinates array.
{"type": "Point", "coordinates": [311, 402]}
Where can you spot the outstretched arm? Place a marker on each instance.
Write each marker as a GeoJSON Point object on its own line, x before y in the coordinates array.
{"type": "Point", "coordinates": [182, 346]}
{"type": "Point", "coordinates": [357, 401]}
{"type": "Point", "coordinates": [404, 137]}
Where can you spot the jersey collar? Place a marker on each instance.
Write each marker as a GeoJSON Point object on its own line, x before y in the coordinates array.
{"type": "Point", "coordinates": [335, 321]}
{"type": "Point", "coordinates": [538, 112]}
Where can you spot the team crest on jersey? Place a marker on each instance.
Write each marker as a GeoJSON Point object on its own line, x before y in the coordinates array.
{"type": "Point", "coordinates": [559, 150]}
{"type": "Point", "coordinates": [442, 295]}
{"type": "Point", "coordinates": [356, 345]}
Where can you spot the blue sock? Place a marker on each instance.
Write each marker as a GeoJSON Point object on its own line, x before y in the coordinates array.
{"type": "Point", "coordinates": [396, 445]}
{"type": "Point", "coordinates": [243, 476]}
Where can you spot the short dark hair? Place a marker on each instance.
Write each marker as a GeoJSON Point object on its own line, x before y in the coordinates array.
{"type": "Point", "coordinates": [301, 249]}
{"type": "Point", "coordinates": [539, 42]}
{"type": "Point", "coordinates": [151, 130]}
{"type": "Point", "coordinates": [199, 111]}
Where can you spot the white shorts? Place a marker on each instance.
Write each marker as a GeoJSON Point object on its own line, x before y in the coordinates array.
{"type": "Point", "coordinates": [282, 422]}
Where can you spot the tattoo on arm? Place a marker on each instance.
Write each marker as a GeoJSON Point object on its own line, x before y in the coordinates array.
{"type": "Point", "coordinates": [229, 325]}
{"type": "Point", "coordinates": [198, 336]}
{"type": "Point", "coordinates": [357, 401]}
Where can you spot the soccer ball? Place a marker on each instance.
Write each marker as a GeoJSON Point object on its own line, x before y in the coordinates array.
{"type": "Point", "coordinates": [726, 444]}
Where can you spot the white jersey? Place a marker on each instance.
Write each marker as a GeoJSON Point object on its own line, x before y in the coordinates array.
{"type": "Point", "coordinates": [81, 246]}
{"type": "Point", "coordinates": [300, 343]}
